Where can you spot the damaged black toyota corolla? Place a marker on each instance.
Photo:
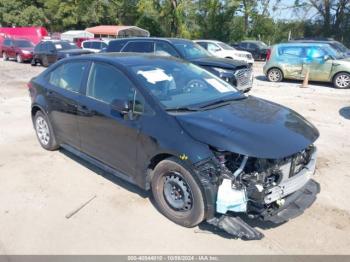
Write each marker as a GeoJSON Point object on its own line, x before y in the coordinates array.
{"type": "Point", "coordinates": [207, 151]}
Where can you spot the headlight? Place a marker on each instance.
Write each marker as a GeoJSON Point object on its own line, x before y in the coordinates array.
{"type": "Point", "coordinates": [222, 71]}
{"type": "Point", "coordinates": [26, 52]}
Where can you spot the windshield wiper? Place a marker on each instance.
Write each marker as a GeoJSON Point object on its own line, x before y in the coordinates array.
{"type": "Point", "coordinates": [223, 101]}
{"type": "Point", "coordinates": [182, 109]}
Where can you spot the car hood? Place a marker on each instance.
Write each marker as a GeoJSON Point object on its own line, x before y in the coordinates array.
{"type": "Point", "coordinates": [218, 62]}
{"type": "Point", "coordinates": [74, 51]}
{"type": "Point", "coordinates": [252, 127]}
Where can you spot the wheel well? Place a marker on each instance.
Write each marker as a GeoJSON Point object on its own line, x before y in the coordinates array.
{"type": "Point", "coordinates": [337, 73]}
{"type": "Point", "coordinates": [156, 159]}
{"type": "Point", "coordinates": [35, 109]}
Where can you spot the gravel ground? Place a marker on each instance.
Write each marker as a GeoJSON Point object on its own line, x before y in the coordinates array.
{"type": "Point", "coordinates": [39, 188]}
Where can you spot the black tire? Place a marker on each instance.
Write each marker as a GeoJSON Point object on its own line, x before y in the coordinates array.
{"type": "Point", "coordinates": [45, 61]}
{"type": "Point", "coordinates": [169, 171]}
{"type": "Point", "coordinates": [5, 56]}
{"type": "Point", "coordinates": [275, 75]}
{"type": "Point", "coordinates": [47, 142]}
{"type": "Point", "coordinates": [341, 80]}
{"type": "Point", "coordinates": [33, 62]}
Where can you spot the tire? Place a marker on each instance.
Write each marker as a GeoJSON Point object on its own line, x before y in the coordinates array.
{"type": "Point", "coordinates": [33, 62]}
{"type": "Point", "coordinates": [44, 132]}
{"type": "Point", "coordinates": [275, 75]}
{"type": "Point", "coordinates": [341, 80]}
{"type": "Point", "coordinates": [170, 180]}
{"type": "Point", "coordinates": [5, 56]}
{"type": "Point", "coordinates": [19, 58]}
{"type": "Point", "coordinates": [45, 61]}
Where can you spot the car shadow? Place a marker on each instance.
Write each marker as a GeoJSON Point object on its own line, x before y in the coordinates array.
{"type": "Point", "coordinates": [345, 112]}
{"type": "Point", "coordinates": [114, 179]}
{"type": "Point", "coordinates": [322, 84]}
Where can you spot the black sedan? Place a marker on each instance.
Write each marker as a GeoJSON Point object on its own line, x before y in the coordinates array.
{"type": "Point", "coordinates": [49, 51]}
{"type": "Point", "coordinates": [201, 147]}
{"type": "Point", "coordinates": [237, 73]}
{"type": "Point", "coordinates": [257, 48]}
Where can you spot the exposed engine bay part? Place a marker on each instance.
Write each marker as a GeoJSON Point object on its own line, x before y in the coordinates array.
{"type": "Point", "coordinates": [236, 227]}
{"type": "Point", "coordinates": [230, 199]}
{"type": "Point", "coordinates": [241, 167]}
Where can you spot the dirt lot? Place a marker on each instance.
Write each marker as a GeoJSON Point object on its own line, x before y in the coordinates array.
{"type": "Point", "coordinates": [38, 188]}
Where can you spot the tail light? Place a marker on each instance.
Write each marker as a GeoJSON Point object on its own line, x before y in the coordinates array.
{"type": "Point", "coordinates": [268, 54]}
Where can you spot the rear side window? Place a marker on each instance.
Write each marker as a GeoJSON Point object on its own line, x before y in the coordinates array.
{"type": "Point", "coordinates": [139, 47]}
{"type": "Point", "coordinates": [96, 45]}
{"type": "Point", "coordinates": [291, 51]}
{"type": "Point", "coordinates": [68, 76]}
{"type": "Point", "coordinates": [106, 83]}
{"type": "Point", "coordinates": [7, 42]}
{"type": "Point", "coordinates": [87, 45]}
{"type": "Point", "coordinates": [203, 44]}
{"type": "Point", "coordinates": [115, 46]}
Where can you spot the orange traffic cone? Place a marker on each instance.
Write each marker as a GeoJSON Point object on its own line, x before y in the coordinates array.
{"type": "Point", "coordinates": [306, 79]}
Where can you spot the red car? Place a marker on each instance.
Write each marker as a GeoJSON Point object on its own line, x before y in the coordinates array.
{"type": "Point", "coordinates": [19, 49]}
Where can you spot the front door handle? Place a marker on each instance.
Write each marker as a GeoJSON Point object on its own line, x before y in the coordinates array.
{"type": "Point", "coordinates": [84, 110]}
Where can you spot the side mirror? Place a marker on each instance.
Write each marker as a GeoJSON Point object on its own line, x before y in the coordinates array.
{"type": "Point", "coordinates": [122, 106]}
{"type": "Point", "coordinates": [327, 57]}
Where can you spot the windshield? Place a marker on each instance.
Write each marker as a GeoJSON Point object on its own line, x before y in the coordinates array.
{"type": "Point", "coordinates": [64, 45]}
{"type": "Point", "coordinates": [261, 44]}
{"type": "Point", "coordinates": [23, 43]}
{"type": "Point", "coordinates": [334, 53]}
{"type": "Point", "coordinates": [225, 46]}
{"type": "Point", "coordinates": [190, 50]}
{"type": "Point", "coordinates": [178, 85]}
{"type": "Point", "coordinates": [339, 46]}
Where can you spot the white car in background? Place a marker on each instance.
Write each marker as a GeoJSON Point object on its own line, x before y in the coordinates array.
{"type": "Point", "coordinates": [223, 50]}
{"type": "Point", "coordinates": [94, 45]}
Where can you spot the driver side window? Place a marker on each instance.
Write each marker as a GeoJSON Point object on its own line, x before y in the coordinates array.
{"type": "Point", "coordinates": [213, 47]}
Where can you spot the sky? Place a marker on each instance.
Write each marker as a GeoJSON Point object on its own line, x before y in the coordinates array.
{"type": "Point", "coordinates": [284, 11]}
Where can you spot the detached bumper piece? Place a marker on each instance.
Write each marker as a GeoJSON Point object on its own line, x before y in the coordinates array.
{"type": "Point", "coordinates": [294, 204]}
{"type": "Point", "coordinates": [236, 227]}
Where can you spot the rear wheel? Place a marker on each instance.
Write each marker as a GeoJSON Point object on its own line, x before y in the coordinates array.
{"type": "Point", "coordinates": [275, 75]}
{"type": "Point", "coordinates": [177, 194]}
{"type": "Point", "coordinates": [44, 132]}
{"type": "Point", "coordinates": [19, 58]}
{"type": "Point", "coordinates": [342, 80]}
{"type": "Point", "coordinates": [5, 56]}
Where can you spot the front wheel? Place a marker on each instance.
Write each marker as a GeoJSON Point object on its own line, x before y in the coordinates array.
{"type": "Point", "coordinates": [19, 58]}
{"type": "Point", "coordinates": [275, 75]}
{"type": "Point", "coordinates": [342, 80]}
{"type": "Point", "coordinates": [44, 132]}
{"type": "Point", "coordinates": [177, 194]}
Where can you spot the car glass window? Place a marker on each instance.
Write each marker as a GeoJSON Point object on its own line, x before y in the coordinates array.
{"type": "Point", "coordinates": [213, 47]}
{"type": "Point", "coordinates": [103, 45]}
{"type": "Point", "coordinates": [87, 45]}
{"type": "Point", "coordinates": [139, 47]}
{"type": "Point", "coordinates": [203, 44]}
{"type": "Point", "coordinates": [115, 46]}
{"type": "Point", "coordinates": [244, 45]}
{"type": "Point", "coordinates": [165, 49]}
{"type": "Point", "coordinates": [291, 51]}
{"type": "Point", "coordinates": [23, 43]}
{"type": "Point", "coordinates": [106, 84]}
{"type": "Point", "coordinates": [68, 76]}
{"type": "Point", "coordinates": [177, 84]}
{"type": "Point", "coordinates": [191, 50]}
{"type": "Point", "coordinates": [225, 46]}
{"type": "Point", "coordinates": [7, 42]}
{"type": "Point", "coordinates": [38, 48]}
{"type": "Point", "coordinates": [315, 52]}
{"type": "Point", "coordinates": [95, 45]}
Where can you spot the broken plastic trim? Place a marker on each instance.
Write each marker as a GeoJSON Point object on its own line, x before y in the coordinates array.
{"type": "Point", "coordinates": [236, 227]}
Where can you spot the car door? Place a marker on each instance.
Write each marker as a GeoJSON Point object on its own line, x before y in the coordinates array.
{"type": "Point", "coordinates": [11, 49]}
{"type": "Point", "coordinates": [108, 135]}
{"type": "Point", "coordinates": [320, 68]}
{"type": "Point", "coordinates": [290, 59]}
{"type": "Point", "coordinates": [64, 84]}
{"type": "Point", "coordinates": [51, 52]}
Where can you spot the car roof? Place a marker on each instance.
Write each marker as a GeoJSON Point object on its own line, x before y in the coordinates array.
{"type": "Point", "coordinates": [303, 44]}
{"type": "Point", "coordinates": [168, 39]}
{"type": "Point", "coordinates": [207, 40]}
{"type": "Point", "coordinates": [127, 59]}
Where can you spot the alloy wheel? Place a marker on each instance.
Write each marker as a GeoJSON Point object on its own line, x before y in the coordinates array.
{"type": "Point", "coordinates": [275, 75]}
{"type": "Point", "coordinates": [42, 130]}
{"type": "Point", "coordinates": [343, 81]}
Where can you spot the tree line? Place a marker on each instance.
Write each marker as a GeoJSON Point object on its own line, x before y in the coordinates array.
{"type": "Point", "coordinates": [225, 20]}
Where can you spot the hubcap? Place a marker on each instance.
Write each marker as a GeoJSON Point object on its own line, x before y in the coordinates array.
{"type": "Point", "coordinates": [19, 58]}
{"type": "Point", "coordinates": [177, 193]}
{"type": "Point", "coordinates": [4, 55]}
{"type": "Point", "coordinates": [274, 75]}
{"type": "Point", "coordinates": [343, 81]}
{"type": "Point", "coordinates": [42, 130]}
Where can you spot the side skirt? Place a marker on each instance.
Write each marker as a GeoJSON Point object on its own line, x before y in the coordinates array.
{"type": "Point", "coordinates": [98, 163]}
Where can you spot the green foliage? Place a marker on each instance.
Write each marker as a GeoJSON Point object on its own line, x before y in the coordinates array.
{"type": "Point", "coordinates": [226, 20]}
